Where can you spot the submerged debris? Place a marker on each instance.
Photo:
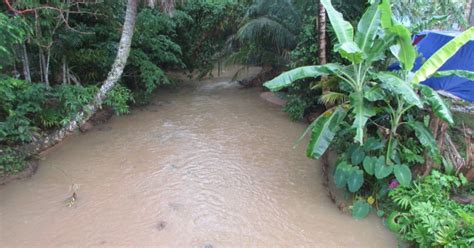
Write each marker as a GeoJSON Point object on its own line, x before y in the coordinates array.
{"type": "Point", "coordinates": [70, 201]}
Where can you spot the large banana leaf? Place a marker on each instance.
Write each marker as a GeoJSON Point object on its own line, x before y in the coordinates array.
{"type": "Point", "coordinates": [405, 51]}
{"type": "Point", "coordinates": [426, 139]}
{"type": "Point", "coordinates": [324, 130]}
{"type": "Point", "coordinates": [362, 112]}
{"type": "Point", "coordinates": [343, 29]}
{"type": "Point", "coordinates": [386, 14]}
{"type": "Point", "coordinates": [377, 51]}
{"type": "Point", "coordinates": [367, 28]}
{"type": "Point", "coordinates": [443, 55]}
{"type": "Point", "coordinates": [459, 73]}
{"type": "Point", "coordinates": [350, 51]}
{"type": "Point", "coordinates": [287, 78]}
{"type": "Point", "coordinates": [400, 87]}
{"type": "Point", "coordinates": [437, 104]}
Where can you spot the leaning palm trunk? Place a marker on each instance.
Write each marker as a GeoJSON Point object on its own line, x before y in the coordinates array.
{"type": "Point", "coordinates": [112, 78]}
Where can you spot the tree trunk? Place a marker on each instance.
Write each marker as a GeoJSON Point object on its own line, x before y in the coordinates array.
{"type": "Point", "coordinates": [41, 62]}
{"type": "Point", "coordinates": [151, 3]}
{"type": "Point", "coordinates": [46, 66]}
{"type": "Point", "coordinates": [112, 78]}
{"type": "Point", "coordinates": [322, 56]}
{"type": "Point", "coordinates": [65, 74]}
{"type": "Point", "coordinates": [26, 63]}
{"type": "Point", "coordinates": [322, 35]}
{"type": "Point", "coordinates": [168, 6]}
{"type": "Point", "coordinates": [470, 12]}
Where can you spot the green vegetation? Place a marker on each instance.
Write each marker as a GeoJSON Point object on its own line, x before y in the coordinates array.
{"type": "Point", "coordinates": [54, 64]}
{"type": "Point", "coordinates": [395, 155]}
{"type": "Point", "coordinates": [425, 214]}
{"type": "Point", "coordinates": [379, 120]}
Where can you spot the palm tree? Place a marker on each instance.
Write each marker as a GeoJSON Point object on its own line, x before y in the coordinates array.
{"type": "Point", "coordinates": [109, 83]}
{"type": "Point", "coordinates": [267, 34]}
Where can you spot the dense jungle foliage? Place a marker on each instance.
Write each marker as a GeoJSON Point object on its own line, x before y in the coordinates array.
{"type": "Point", "coordinates": [55, 60]}
{"type": "Point", "coordinates": [389, 131]}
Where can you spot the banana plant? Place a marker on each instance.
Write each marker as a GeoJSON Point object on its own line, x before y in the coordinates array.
{"type": "Point", "coordinates": [374, 94]}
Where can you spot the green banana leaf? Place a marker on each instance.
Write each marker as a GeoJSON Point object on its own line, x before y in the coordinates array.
{"type": "Point", "coordinates": [459, 73]}
{"type": "Point", "coordinates": [324, 130]}
{"type": "Point", "coordinates": [426, 138]}
{"type": "Point", "coordinates": [343, 29]}
{"type": "Point", "coordinates": [405, 51]}
{"type": "Point", "coordinates": [437, 104]}
{"type": "Point", "coordinates": [400, 87]}
{"type": "Point", "coordinates": [443, 55]}
{"type": "Point", "coordinates": [350, 51]}
{"type": "Point", "coordinates": [386, 14]}
{"type": "Point", "coordinates": [287, 78]}
{"type": "Point", "coordinates": [367, 28]}
{"type": "Point", "coordinates": [362, 112]}
{"type": "Point", "coordinates": [375, 93]}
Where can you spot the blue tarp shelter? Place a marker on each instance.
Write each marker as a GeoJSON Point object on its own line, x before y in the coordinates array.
{"type": "Point", "coordinates": [428, 43]}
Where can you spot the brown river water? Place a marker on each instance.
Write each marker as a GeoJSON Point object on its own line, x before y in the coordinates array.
{"type": "Point", "coordinates": [205, 165]}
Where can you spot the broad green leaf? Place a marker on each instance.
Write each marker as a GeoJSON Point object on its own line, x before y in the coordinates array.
{"type": "Point", "coordinates": [375, 93]}
{"type": "Point", "coordinates": [426, 138]}
{"type": "Point", "coordinates": [343, 29]}
{"type": "Point", "coordinates": [406, 52]}
{"type": "Point", "coordinates": [373, 144]}
{"type": "Point", "coordinates": [360, 209]}
{"type": "Point", "coordinates": [340, 174]}
{"type": "Point", "coordinates": [403, 174]}
{"type": "Point", "coordinates": [459, 73]}
{"type": "Point", "coordinates": [400, 87]}
{"type": "Point", "coordinates": [357, 156]}
{"type": "Point", "coordinates": [324, 131]}
{"type": "Point", "coordinates": [362, 113]}
{"type": "Point", "coordinates": [442, 55]}
{"type": "Point", "coordinates": [355, 179]}
{"type": "Point", "coordinates": [350, 51]}
{"type": "Point", "coordinates": [386, 14]}
{"type": "Point", "coordinates": [369, 165]}
{"type": "Point", "coordinates": [381, 170]}
{"type": "Point", "coordinates": [287, 78]}
{"type": "Point", "coordinates": [367, 28]}
{"type": "Point", "coordinates": [437, 104]}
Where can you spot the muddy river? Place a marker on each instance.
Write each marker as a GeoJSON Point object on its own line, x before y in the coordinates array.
{"type": "Point", "coordinates": [205, 165]}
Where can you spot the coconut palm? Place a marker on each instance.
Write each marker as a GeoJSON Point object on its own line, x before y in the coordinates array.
{"type": "Point", "coordinates": [267, 34]}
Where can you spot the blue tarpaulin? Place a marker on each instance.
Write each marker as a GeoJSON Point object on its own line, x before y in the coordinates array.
{"type": "Point", "coordinates": [428, 43]}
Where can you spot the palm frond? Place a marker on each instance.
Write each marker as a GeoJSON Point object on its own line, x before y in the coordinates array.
{"type": "Point", "coordinates": [264, 29]}
{"type": "Point", "coordinates": [333, 98]}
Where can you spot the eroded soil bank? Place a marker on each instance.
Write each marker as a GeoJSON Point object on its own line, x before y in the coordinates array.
{"type": "Point", "coordinates": [206, 165]}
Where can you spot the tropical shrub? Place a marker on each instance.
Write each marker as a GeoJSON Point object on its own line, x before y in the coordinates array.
{"type": "Point", "coordinates": [29, 108]}
{"type": "Point", "coordinates": [11, 162]}
{"type": "Point", "coordinates": [426, 215]}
